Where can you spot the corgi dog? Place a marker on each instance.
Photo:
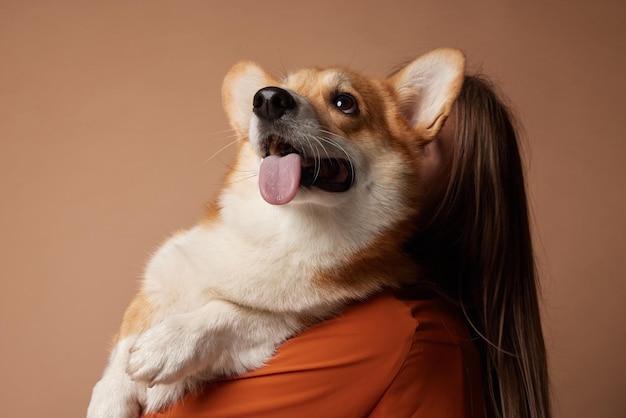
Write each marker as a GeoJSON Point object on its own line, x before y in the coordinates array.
{"type": "Point", "coordinates": [313, 215]}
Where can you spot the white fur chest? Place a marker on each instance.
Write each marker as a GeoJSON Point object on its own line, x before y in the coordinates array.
{"type": "Point", "coordinates": [257, 255]}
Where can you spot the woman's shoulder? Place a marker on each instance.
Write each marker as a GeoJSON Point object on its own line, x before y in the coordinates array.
{"type": "Point", "coordinates": [365, 333]}
{"type": "Point", "coordinates": [345, 367]}
{"type": "Point", "coordinates": [375, 334]}
{"type": "Point", "coordinates": [441, 373]}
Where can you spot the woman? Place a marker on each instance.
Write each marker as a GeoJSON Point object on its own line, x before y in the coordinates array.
{"type": "Point", "coordinates": [466, 342]}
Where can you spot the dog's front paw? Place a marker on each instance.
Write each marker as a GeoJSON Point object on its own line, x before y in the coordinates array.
{"type": "Point", "coordinates": [164, 353]}
{"type": "Point", "coordinates": [112, 400]}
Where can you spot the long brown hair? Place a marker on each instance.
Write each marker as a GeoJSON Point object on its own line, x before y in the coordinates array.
{"type": "Point", "coordinates": [477, 250]}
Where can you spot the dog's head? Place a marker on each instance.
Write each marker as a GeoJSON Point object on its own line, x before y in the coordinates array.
{"type": "Point", "coordinates": [322, 136]}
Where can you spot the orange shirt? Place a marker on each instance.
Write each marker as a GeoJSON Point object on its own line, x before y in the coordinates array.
{"type": "Point", "coordinates": [385, 357]}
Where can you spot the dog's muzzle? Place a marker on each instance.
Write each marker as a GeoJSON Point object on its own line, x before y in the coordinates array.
{"type": "Point", "coordinates": [287, 165]}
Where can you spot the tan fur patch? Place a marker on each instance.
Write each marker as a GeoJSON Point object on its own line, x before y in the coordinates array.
{"type": "Point", "coordinates": [137, 317]}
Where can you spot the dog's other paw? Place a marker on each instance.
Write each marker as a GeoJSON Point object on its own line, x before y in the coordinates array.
{"type": "Point", "coordinates": [112, 401]}
{"type": "Point", "coordinates": [166, 352]}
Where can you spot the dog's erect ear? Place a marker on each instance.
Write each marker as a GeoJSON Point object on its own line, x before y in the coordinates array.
{"type": "Point", "coordinates": [238, 89]}
{"type": "Point", "coordinates": [427, 88]}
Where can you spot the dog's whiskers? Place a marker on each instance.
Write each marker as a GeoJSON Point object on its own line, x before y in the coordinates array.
{"type": "Point", "coordinates": [233, 131]}
{"type": "Point", "coordinates": [329, 140]}
{"type": "Point", "coordinates": [248, 176]}
{"type": "Point", "coordinates": [315, 144]}
{"type": "Point", "coordinates": [230, 144]}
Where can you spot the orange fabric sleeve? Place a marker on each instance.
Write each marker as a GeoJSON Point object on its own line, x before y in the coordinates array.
{"type": "Point", "coordinates": [372, 360]}
{"type": "Point", "coordinates": [441, 376]}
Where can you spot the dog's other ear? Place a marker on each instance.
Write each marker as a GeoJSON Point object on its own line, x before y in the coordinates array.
{"type": "Point", "coordinates": [238, 89]}
{"type": "Point", "coordinates": [428, 87]}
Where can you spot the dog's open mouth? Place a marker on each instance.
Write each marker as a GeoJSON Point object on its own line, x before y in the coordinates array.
{"type": "Point", "coordinates": [284, 169]}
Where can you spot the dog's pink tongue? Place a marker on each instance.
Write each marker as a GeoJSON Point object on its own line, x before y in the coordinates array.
{"type": "Point", "coordinates": [279, 178]}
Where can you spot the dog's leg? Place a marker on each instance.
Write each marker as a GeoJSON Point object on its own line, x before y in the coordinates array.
{"type": "Point", "coordinates": [116, 395]}
{"type": "Point", "coordinates": [218, 339]}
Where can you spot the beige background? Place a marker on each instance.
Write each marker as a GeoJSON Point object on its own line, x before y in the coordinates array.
{"type": "Point", "coordinates": [109, 112]}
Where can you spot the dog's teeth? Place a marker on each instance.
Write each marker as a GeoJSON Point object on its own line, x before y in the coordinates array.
{"type": "Point", "coordinates": [277, 146]}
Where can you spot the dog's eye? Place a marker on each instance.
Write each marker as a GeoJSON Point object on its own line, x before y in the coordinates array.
{"type": "Point", "coordinates": [346, 103]}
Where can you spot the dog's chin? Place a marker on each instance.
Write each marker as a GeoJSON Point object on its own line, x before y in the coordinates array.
{"type": "Point", "coordinates": [314, 196]}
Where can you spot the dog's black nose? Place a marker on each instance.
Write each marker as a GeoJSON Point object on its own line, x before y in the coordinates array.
{"type": "Point", "coordinates": [271, 103]}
